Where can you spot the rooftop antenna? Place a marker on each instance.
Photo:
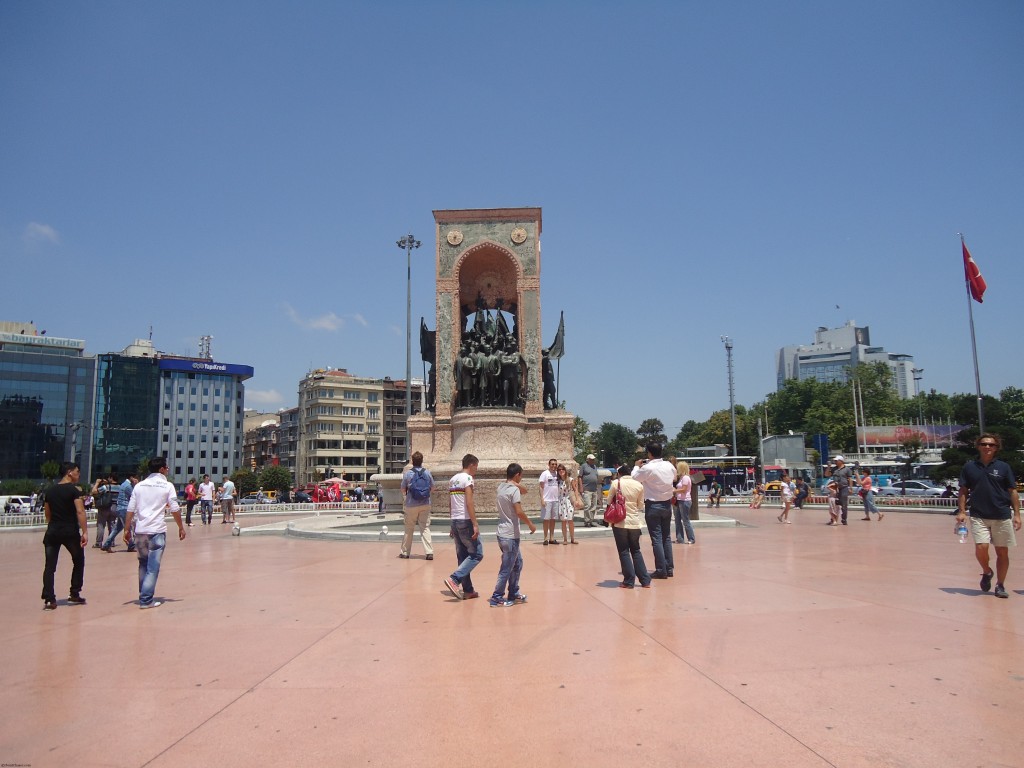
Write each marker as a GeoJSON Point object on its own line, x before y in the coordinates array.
{"type": "Point", "coordinates": [204, 347]}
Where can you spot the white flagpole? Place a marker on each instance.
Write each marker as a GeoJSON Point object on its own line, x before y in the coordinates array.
{"type": "Point", "coordinates": [974, 349]}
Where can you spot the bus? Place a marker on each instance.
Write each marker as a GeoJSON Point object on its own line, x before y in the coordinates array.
{"type": "Point", "coordinates": [735, 473]}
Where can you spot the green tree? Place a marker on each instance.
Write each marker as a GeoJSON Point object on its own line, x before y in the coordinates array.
{"type": "Point", "coordinates": [616, 444]}
{"type": "Point", "coordinates": [652, 431]}
{"type": "Point", "coordinates": [50, 470]}
{"type": "Point", "coordinates": [273, 478]}
{"type": "Point", "coordinates": [686, 437]}
{"type": "Point", "coordinates": [245, 482]}
{"type": "Point", "coordinates": [582, 441]}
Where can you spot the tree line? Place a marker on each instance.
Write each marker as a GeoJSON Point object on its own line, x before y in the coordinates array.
{"type": "Point", "coordinates": [811, 407]}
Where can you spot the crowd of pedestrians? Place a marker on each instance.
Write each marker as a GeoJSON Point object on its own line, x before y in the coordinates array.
{"type": "Point", "coordinates": [137, 510]}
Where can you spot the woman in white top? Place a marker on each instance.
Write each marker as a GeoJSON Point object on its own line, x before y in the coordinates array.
{"type": "Point", "coordinates": [627, 533]}
{"type": "Point", "coordinates": [565, 508]}
{"type": "Point", "coordinates": [786, 492]}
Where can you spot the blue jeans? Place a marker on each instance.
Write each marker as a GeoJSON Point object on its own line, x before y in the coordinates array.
{"type": "Point", "coordinates": [206, 510]}
{"type": "Point", "coordinates": [118, 526]}
{"type": "Point", "coordinates": [511, 568]}
{"type": "Point", "coordinates": [631, 559]}
{"type": "Point", "coordinates": [684, 528]}
{"type": "Point", "coordinates": [869, 503]}
{"type": "Point", "coordinates": [468, 551]}
{"type": "Point", "coordinates": [150, 548]}
{"type": "Point", "coordinates": [658, 515]}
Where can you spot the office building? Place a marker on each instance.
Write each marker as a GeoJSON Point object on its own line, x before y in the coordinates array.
{"type": "Point", "coordinates": [46, 401]}
{"type": "Point", "coordinates": [835, 352]}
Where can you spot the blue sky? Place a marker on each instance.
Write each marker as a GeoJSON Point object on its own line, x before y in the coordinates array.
{"type": "Point", "coordinates": [243, 170]}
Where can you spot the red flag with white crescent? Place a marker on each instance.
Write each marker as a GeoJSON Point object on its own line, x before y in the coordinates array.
{"type": "Point", "coordinates": [973, 274]}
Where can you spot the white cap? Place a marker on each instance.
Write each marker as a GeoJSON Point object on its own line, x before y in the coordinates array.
{"type": "Point", "coordinates": [840, 458]}
{"type": "Point", "coordinates": [591, 456]}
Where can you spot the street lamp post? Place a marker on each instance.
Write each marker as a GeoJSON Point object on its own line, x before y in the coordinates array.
{"type": "Point", "coordinates": [916, 372]}
{"type": "Point", "coordinates": [407, 243]}
{"type": "Point", "coordinates": [732, 399]}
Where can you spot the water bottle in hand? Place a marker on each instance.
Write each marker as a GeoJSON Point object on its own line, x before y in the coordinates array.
{"type": "Point", "coordinates": [961, 531]}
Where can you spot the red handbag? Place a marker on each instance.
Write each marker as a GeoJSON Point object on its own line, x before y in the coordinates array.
{"type": "Point", "coordinates": [615, 512]}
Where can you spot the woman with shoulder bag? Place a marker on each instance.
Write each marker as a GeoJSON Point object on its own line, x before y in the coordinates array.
{"type": "Point", "coordinates": [627, 531]}
{"type": "Point", "coordinates": [566, 509]}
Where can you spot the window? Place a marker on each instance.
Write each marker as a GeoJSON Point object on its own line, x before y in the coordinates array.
{"type": "Point", "coordinates": [206, 406]}
{"type": "Point", "coordinates": [181, 422]}
{"type": "Point", "coordinates": [193, 390]}
{"type": "Point", "coordinates": [177, 438]}
{"type": "Point", "coordinates": [181, 406]}
{"type": "Point", "coordinates": [202, 454]}
{"type": "Point", "coordinates": [191, 406]}
{"type": "Point", "coordinates": [181, 390]}
{"type": "Point", "coordinates": [206, 391]}
{"type": "Point", "coordinates": [167, 422]}
{"type": "Point", "coordinates": [204, 422]}
{"type": "Point", "coordinates": [191, 454]}
{"type": "Point", "coordinates": [191, 422]}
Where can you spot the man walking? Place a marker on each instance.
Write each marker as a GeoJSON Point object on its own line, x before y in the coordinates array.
{"type": "Point", "coordinates": [206, 491]}
{"type": "Point", "coordinates": [657, 477]}
{"type": "Point", "coordinates": [149, 500]}
{"type": "Point", "coordinates": [65, 527]}
{"type": "Point", "coordinates": [469, 550]}
{"type": "Point", "coordinates": [417, 483]}
{"type": "Point", "coordinates": [121, 509]}
{"type": "Point", "coordinates": [510, 514]}
{"type": "Point", "coordinates": [842, 475]}
{"type": "Point", "coordinates": [989, 489]}
{"type": "Point", "coordinates": [590, 486]}
{"type": "Point", "coordinates": [104, 493]}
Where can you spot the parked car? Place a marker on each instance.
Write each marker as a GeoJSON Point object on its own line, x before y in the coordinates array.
{"type": "Point", "coordinates": [15, 505]}
{"type": "Point", "coordinates": [301, 497]}
{"type": "Point", "coordinates": [911, 488]}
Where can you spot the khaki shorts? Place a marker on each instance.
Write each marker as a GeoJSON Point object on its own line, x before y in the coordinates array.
{"type": "Point", "coordinates": [998, 532]}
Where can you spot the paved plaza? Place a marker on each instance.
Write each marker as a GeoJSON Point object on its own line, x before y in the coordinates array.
{"type": "Point", "coordinates": [774, 645]}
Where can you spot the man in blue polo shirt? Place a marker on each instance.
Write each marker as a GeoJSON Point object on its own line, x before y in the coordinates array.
{"type": "Point", "coordinates": [989, 489]}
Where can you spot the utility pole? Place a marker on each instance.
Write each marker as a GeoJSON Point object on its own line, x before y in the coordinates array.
{"type": "Point", "coordinates": [732, 398]}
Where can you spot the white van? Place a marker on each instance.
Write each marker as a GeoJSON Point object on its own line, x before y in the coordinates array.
{"type": "Point", "coordinates": [13, 505]}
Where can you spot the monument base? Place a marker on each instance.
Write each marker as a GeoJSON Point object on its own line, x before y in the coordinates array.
{"type": "Point", "coordinates": [497, 437]}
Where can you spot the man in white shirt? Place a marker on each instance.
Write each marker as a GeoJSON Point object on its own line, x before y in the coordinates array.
{"type": "Point", "coordinates": [150, 499]}
{"type": "Point", "coordinates": [206, 490]}
{"type": "Point", "coordinates": [549, 500]}
{"type": "Point", "coordinates": [469, 550]}
{"type": "Point", "coordinates": [657, 477]}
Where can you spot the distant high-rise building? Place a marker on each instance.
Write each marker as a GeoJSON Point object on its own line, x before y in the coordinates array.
{"type": "Point", "coordinates": [835, 352]}
{"type": "Point", "coordinates": [46, 401]}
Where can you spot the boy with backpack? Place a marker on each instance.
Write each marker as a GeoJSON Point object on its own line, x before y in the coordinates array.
{"type": "Point", "coordinates": [417, 484]}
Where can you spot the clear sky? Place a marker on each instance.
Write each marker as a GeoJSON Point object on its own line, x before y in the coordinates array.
{"type": "Point", "coordinates": [243, 170]}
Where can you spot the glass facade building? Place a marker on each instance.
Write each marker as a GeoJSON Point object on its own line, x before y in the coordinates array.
{"type": "Point", "coordinates": [46, 402]}
{"type": "Point", "coordinates": [127, 408]}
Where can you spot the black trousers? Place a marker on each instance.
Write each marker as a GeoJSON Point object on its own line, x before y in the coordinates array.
{"type": "Point", "coordinates": [52, 542]}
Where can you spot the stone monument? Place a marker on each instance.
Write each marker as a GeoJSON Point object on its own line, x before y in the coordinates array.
{"type": "Point", "coordinates": [490, 382]}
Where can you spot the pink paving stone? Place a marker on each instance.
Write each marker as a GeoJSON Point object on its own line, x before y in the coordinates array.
{"type": "Point", "coordinates": [774, 645]}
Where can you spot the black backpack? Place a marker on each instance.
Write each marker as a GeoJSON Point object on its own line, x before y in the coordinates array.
{"type": "Point", "coordinates": [105, 499]}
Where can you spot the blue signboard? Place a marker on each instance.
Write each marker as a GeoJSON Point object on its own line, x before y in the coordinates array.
{"type": "Point", "coordinates": [205, 366]}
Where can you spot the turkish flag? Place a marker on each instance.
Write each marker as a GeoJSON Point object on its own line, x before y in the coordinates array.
{"type": "Point", "coordinates": [973, 275]}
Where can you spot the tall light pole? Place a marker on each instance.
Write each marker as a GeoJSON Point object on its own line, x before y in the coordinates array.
{"type": "Point", "coordinates": [917, 392]}
{"type": "Point", "coordinates": [732, 399]}
{"type": "Point", "coordinates": [407, 243]}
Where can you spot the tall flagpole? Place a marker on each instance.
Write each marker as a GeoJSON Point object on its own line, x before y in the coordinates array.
{"type": "Point", "coordinates": [974, 349]}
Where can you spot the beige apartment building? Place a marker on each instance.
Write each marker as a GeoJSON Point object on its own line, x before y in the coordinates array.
{"type": "Point", "coordinates": [348, 428]}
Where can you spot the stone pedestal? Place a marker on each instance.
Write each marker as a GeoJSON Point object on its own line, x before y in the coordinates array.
{"type": "Point", "coordinates": [497, 437]}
